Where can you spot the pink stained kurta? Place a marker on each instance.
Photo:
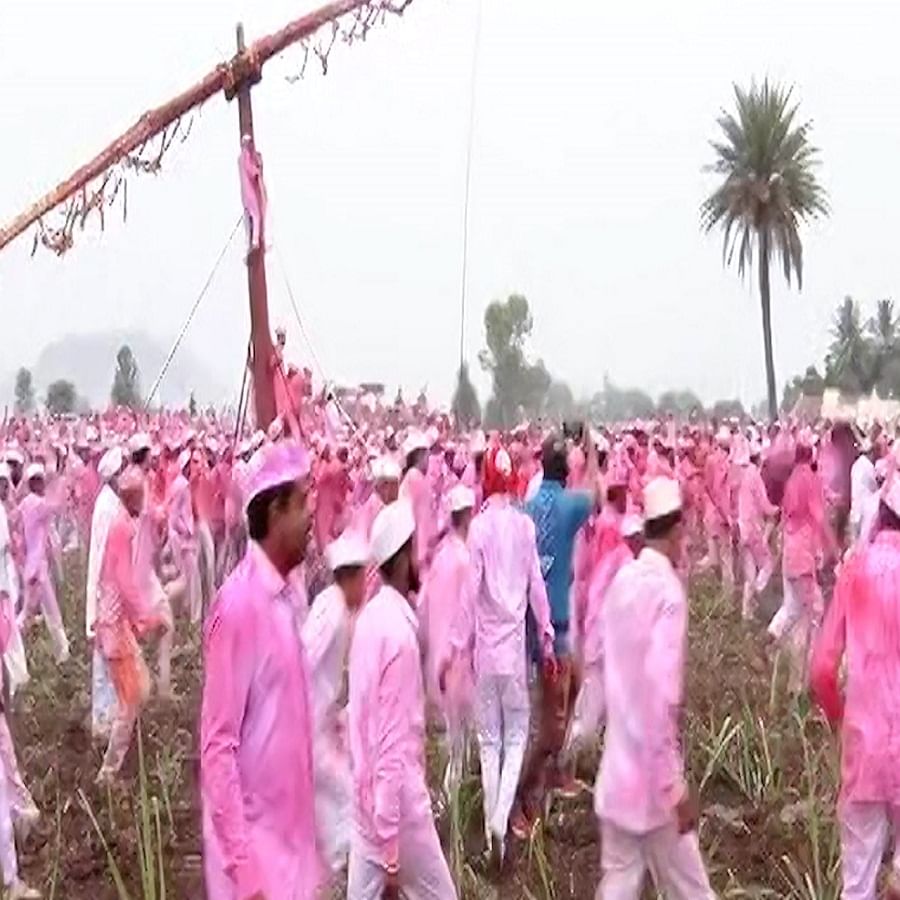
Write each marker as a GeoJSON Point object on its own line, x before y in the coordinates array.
{"type": "Point", "coordinates": [386, 722]}
{"type": "Point", "coordinates": [416, 490]}
{"type": "Point", "coordinates": [442, 600]}
{"type": "Point", "coordinates": [259, 832]}
{"type": "Point", "coordinates": [506, 578]}
{"type": "Point", "coordinates": [718, 493]}
{"type": "Point", "coordinates": [644, 623]}
{"type": "Point", "coordinates": [862, 626]}
{"type": "Point", "coordinates": [333, 483]}
{"type": "Point", "coordinates": [182, 525]}
{"type": "Point", "coordinates": [753, 505]}
{"type": "Point", "coordinates": [124, 610]}
{"type": "Point", "coordinates": [36, 514]}
{"type": "Point", "coordinates": [603, 576]}
{"type": "Point", "coordinates": [806, 534]}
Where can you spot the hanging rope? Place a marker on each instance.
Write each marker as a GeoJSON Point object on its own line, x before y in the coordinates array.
{"type": "Point", "coordinates": [312, 350]}
{"type": "Point", "coordinates": [184, 328]}
{"type": "Point", "coordinates": [465, 248]}
{"type": "Point", "coordinates": [243, 397]}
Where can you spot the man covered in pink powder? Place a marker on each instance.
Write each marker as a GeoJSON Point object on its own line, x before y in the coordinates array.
{"type": "Point", "coordinates": [259, 829]}
{"type": "Point", "coordinates": [862, 630]}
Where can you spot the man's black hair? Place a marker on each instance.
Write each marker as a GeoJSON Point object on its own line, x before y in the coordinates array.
{"type": "Point", "coordinates": [555, 459]}
{"type": "Point", "coordinates": [457, 515]}
{"type": "Point", "coordinates": [659, 528]}
{"type": "Point", "coordinates": [888, 520]}
{"type": "Point", "coordinates": [258, 509]}
{"type": "Point", "coordinates": [413, 459]}
{"type": "Point", "coordinates": [139, 457]}
{"type": "Point", "coordinates": [387, 567]}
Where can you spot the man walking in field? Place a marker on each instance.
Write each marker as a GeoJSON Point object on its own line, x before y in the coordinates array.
{"type": "Point", "coordinates": [648, 818]}
{"type": "Point", "coordinates": [259, 828]}
{"type": "Point", "coordinates": [862, 628]}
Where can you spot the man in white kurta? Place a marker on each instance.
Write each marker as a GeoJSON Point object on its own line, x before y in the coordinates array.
{"type": "Point", "coordinates": [326, 637]}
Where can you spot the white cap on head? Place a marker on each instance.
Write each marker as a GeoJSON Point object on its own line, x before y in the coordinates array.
{"type": "Point", "coordinates": [386, 469]}
{"type": "Point", "coordinates": [110, 463]}
{"type": "Point", "coordinates": [461, 498]}
{"type": "Point", "coordinates": [632, 525]}
{"type": "Point", "coordinates": [891, 497]}
{"type": "Point", "coordinates": [662, 496]}
{"type": "Point", "coordinates": [392, 528]}
{"type": "Point", "coordinates": [35, 470]}
{"type": "Point", "coordinates": [415, 440]}
{"type": "Point", "coordinates": [347, 550]}
{"type": "Point", "coordinates": [139, 442]}
{"type": "Point", "coordinates": [14, 455]}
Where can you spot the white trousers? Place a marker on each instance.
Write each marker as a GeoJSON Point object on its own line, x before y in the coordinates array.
{"type": "Point", "coordinates": [501, 714]}
{"type": "Point", "coordinates": [865, 829]}
{"type": "Point", "coordinates": [423, 870]}
{"type": "Point", "coordinates": [41, 594]}
{"type": "Point", "coordinates": [8, 859]}
{"type": "Point", "coordinates": [673, 859]}
{"type": "Point", "coordinates": [334, 800]}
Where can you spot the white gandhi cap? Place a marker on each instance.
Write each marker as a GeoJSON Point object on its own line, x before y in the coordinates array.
{"type": "Point", "coordinates": [662, 496]}
{"type": "Point", "coordinates": [348, 550]}
{"type": "Point", "coordinates": [392, 528]}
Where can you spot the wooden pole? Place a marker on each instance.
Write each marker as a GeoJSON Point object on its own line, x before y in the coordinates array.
{"type": "Point", "coordinates": [227, 77]}
{"type": "Point", "coordinates": [260, 336]}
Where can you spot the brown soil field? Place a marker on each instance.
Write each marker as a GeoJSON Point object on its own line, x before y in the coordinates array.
{"type": "Point", "coordinates": [766, 769]}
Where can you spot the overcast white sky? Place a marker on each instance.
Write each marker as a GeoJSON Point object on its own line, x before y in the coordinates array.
{"type": "Point", "coordinates": [591, 128]}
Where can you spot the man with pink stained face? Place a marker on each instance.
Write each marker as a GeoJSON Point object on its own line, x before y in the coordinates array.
{"type": "Point", "coordinates": [327, 633]}
{"type": "Point", "coordinates": [448, 660]}
{"type": "Point", "coordinates": [754, 509]}
{"type": "Point", "coordinates": [717, 505]}
{"type": "Point", "coordinates": [862, 631]}
{"type": "Point", "coordinates": [416, 490]}
{"type": "Point", "coordinates": [506, 581]}
{"type": "Point", "coordinates": [256, 771]}
{"type": "Point", "coordinates": [38, 511]}
{"type": "Point", "coordinates": [807, 542]}
{"type": "Point", "coordinates": [183, 535]}
{"type": "Point", "coordinates": [395, 850]}
{"type": "Point", "coordinates": [647, 814]}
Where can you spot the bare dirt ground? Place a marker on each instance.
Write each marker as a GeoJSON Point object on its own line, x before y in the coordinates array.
{"type": "Point", "coordinates": [766, 768]}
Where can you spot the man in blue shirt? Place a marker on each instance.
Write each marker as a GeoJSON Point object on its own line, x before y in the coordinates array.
{"type": "Point", "coordinates": [558, 514]}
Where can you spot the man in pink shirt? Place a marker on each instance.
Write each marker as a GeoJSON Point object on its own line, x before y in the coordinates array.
{"type": "Point", "coordinates": [416, 491]}
{"type": "Point", "coordinates": [395, 847]}
{"type": "Point", "coordinates": [647, 815]}
{"type": "Point", "coordinates": [506, 580]}
{"type": "Point", "coordinates": [125, 612]}
{"type": "Point", "coordinates": [37, 512]}
{"type": "Point", "coordinates": [753, 510]}
{"type": "Point", "coordinates": [183, 535]}
{"type": "Point", "coordinates": [717, 517]}
{"type": "Point", "coordinates": [326, 638]}
{"type": "Point", "coordinates": [807, 541]}
{"type": "Point", "coordinates": [259, 831]}
{"type": "Point", "coordinates": [862, 630]}
{"type": "Point", "coordinates": [443, 599]}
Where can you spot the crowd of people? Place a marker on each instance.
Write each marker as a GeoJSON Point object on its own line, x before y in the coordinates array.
{"type": "Point", "coordinates": [366, 575]}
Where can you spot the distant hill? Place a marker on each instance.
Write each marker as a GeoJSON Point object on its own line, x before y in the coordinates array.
{"type": "Point", "coordinates": [89, 361]}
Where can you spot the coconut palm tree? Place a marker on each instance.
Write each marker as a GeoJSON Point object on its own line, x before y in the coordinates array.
{"type": "Point", "coordinates": [769, 189]}
{"type": "Point", "coordinates": [850, 364]}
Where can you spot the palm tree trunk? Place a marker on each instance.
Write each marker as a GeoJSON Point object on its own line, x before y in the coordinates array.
{"type": "Point", "coordinates": [766, 303]}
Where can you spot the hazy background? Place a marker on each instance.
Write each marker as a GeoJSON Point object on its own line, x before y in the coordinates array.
{"type": "Point", "coordinates": [591, 128]}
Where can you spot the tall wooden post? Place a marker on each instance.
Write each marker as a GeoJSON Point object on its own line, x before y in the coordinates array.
{"type": "Point", "coordinates": [260, 336]}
